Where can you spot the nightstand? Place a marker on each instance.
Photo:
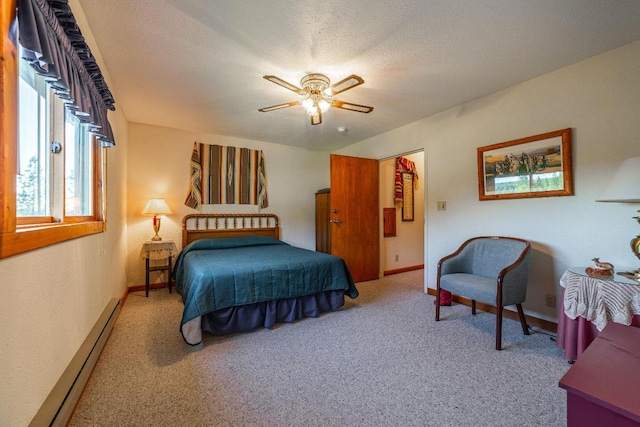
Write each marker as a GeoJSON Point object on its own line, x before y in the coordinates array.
{"type": "Point", "coordinates": [602, 386]}
{"type": "Point", "coordinates": [160, 250]}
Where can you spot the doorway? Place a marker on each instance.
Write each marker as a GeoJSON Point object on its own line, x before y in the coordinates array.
{"type": "Point", "coordinates": [403, 251]}
{"type": "Point", "coordinates": [357, 235]}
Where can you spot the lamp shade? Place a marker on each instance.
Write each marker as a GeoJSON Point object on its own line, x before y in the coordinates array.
{"type": "Point", "coordinates": [625, 184]}
{"type": "Point", "coordinates": [156, 207]}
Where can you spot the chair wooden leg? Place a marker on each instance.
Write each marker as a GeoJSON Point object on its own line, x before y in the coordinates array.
{"type": "Point", "coordinates": [523, 320]}
{"type": "Point", "coordinates": [473, 306]}
{"type": "Point", "coordinates": [499, 328]}
{"type": "Point", "coordinates": [437, 303]}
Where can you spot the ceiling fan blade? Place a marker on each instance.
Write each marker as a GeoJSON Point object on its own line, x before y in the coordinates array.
{"type": "Point", "coordinates": [317, 119]}
{"type": "Point", "coordinates": [286, 85]}
{"type": "Point", "coordinates": [352, 107]}
{"type": "Point", "coordinates": [346, 84]}
{"type": "Point", "coordinates": [279, 106]}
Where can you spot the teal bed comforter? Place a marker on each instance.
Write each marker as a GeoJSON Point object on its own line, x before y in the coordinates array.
{"type": "Point", "coordinates": [212, 274]}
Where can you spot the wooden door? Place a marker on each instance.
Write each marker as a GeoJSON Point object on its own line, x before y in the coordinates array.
{"type": "Point", "coordinates": [354, 215]}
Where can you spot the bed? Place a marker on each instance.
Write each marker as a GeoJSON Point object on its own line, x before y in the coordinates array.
{"type": "Point", "coordinates": [235, 275]}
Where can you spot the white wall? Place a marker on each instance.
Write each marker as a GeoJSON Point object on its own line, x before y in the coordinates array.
{"type": "Point", "coordinates": [159, 167]}
{"type": "Point", "coordinates": [52, 297]}
{"type": "Point", "coordinates": [408, 244]}
{"type": "Point", "coordinates": [600, 99]}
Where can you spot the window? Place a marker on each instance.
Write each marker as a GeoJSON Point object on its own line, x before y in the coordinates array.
{"type": "Point", "coordinates": [53, 129]}
{"type": "Point", "coordinates": [57, 187]}
{"type": "Point", "coordinates": [78, 167]}
{"type": "Point", "coordinates": [32, 187]}
{"type": "Point", "coordinates": [56, 154]}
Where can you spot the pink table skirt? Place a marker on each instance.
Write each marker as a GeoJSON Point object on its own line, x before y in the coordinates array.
{"type": "Point", "coordinates": [575, 335]}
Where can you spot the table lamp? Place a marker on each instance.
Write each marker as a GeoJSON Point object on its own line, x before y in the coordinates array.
{"type": "Point", "coordinates": [156, 207]}
{"type": "Point", "coordinates": [624, 187]}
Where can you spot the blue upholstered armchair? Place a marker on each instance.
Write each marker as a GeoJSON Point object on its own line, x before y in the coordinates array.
{"type": "Point", "coordinates": [492, 270]}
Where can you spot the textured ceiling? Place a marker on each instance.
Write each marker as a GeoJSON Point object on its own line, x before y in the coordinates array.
{"type": "Point", "coordinates": [198, 64]}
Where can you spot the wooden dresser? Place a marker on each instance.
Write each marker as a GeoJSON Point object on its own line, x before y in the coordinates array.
{"type": "Point", "coordinates": [603, 385]}
{"type": "Point", "coordinates": [323, 229]}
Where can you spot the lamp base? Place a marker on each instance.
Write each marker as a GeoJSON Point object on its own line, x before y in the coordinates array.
{"type": "Point", "coordinates": [635, 245]}
{"type": "Point", "coordinates": [635, 248]}
{"type": "Point", "coordinates": [156, 228]}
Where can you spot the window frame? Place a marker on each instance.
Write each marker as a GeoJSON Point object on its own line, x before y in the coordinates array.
{"type": "Point", "coordinates": [15, 237]}
{"type": "Point", "coordinates": [97, 154]}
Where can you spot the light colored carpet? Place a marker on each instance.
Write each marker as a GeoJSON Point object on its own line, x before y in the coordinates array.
{"type": "Point", "coordinates": [380, 360]}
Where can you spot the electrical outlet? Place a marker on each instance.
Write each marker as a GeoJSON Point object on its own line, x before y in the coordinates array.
{"type": "Point", "coordinates": [442, 206]}
{"type": "Point", "coordinates": [550, 300]}
{"type": "Point", "coordinates": [397, 258]}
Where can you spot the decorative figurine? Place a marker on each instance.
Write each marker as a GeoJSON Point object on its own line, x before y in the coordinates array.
{"type": "Point", "coordinates": [602, 269]}
{"type": "Point", "coordinates": [602, 265]}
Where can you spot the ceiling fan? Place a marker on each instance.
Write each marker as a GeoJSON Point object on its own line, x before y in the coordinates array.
{"type": "Point", "coordinates": [317, 95]}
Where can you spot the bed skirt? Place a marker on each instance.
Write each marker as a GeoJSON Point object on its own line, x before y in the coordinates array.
{"type": "Point", "coordinates": [261, 315]}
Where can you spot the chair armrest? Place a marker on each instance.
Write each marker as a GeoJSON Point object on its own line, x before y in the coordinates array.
{"type": "Point", "coordinates": [450, 264]}
{"type": "Point", "coordinates": [512, 280]}
{"type": "Point", "coordinates": [453, 263]}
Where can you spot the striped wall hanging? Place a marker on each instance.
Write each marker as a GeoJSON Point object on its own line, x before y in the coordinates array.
{"type": "Point", "coordinates": [226, 175]}
{"type": "Point", "coordinates": [403, 165]}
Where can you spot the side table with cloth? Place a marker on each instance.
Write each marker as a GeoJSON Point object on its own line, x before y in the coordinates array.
{"type": "Point", "coordinates": [589, 303]}
{"type": "Point", "coordinates": [158, 250]}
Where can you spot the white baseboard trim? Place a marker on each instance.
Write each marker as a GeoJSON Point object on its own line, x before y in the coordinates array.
{"type": "Point", "coordinates": [59, 405]}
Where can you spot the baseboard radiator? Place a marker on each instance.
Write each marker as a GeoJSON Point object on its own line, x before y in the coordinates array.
{"type": "Point", "coordinates": [59, 405]}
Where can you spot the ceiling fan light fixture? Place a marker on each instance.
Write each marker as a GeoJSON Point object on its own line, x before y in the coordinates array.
{"type": "Point", "coordinates": [307, 103]}
{"type": "Point", "coordinates": [316, 95]}
{"type": "Point", "coordinates": [315, 81]}
{"type": "Point", "coordinates": [324, 104]}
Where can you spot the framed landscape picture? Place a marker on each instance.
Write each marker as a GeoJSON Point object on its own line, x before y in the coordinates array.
{"type": "Point", "coordinates": [536, 166]}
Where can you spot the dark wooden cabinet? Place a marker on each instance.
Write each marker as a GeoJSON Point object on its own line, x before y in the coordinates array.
{"type": "Point", "coordinates": [602, 386]}
{"type": "Point", "coordinates": [323, 229]}
{"type": "Point", "coordinates": [389, 221]}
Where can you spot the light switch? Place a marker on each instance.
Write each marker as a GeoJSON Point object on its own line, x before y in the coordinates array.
{"type": "Point", "coordinates": [442, 206]}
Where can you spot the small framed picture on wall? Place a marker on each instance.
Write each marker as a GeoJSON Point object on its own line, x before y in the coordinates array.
{"type": "Point", "coordinates": [407, 196]}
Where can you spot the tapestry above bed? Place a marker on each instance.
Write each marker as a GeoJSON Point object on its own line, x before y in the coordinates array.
{"type": "Point", "coordinates": [226, 175]}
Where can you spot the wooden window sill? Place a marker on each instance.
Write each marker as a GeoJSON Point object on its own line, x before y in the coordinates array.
{"type": "Point", "coordinates": [31, 237]}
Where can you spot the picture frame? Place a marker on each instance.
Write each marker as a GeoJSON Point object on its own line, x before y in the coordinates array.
{"type": "Point", "coordinates": [407, 196]}
{"type": "Point", "coordinates": [535, 166]}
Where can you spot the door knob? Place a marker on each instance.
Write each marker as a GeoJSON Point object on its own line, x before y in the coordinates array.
{"type": "Point", "coordinates": [335, 221]}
